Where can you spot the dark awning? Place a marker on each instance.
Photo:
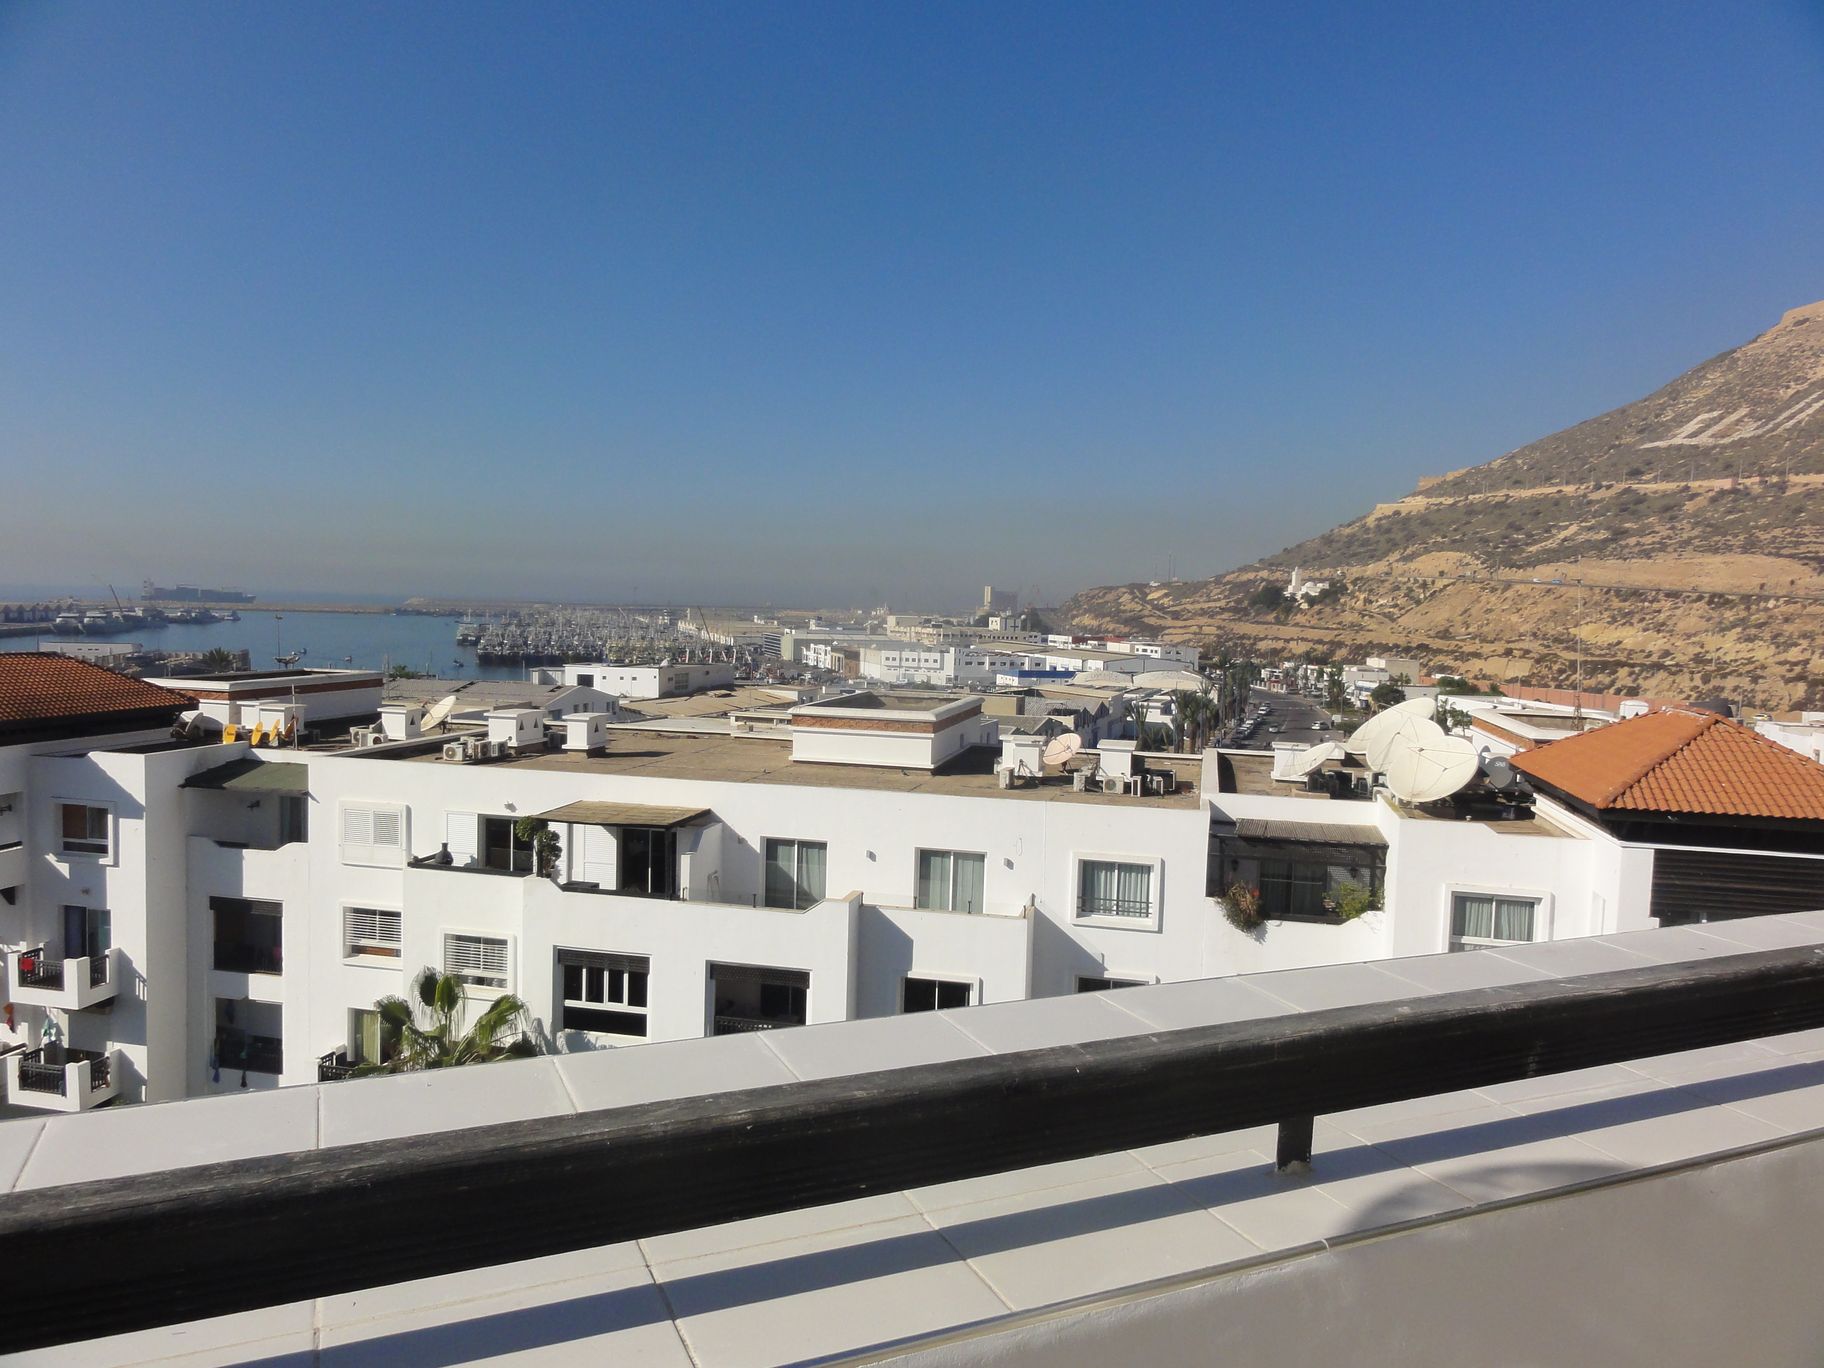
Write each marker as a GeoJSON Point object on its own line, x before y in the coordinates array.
{"type": "Point", "coordinates": [248, 775]}
{"type": "Point", "coordinates": [1319, 833]}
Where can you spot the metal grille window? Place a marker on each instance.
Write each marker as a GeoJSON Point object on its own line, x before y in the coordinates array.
{"type": "Point", "coordinates": [604, 992]}
{"type": "Point", "coordinates": [929, 995]}
{"type": "Point", "coordinates": [1478, 919]}
{"type": "Point", "coordinates": [481, 961]}
{"type": "Point", "coordinates": [950, 881]}
{"type": "Point", "coordinates": [1113, 888]}
{"type": "Point", "coordinates": [84, 829]}
{"type": "Point", "coordinates": [372, 931]}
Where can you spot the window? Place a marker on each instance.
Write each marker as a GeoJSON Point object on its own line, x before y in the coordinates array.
{"type": "Point", "coordinates": [1102, 985]}
{"type": "Point", "coordinates": [750, 997]}
{"type": "Point", "coordinates": [248, 936]}
{"type": "Point", "coordinates": [949, 881]}
{"type": "Point", "coordinates": [648, 862]}
{"type": "Point", "coordinates": [372, 931]}
{"type": "Point", "coordinates": [373, 835]}
{"type": "Point", "coordinates": [294, 818]}
{"type": "Point", "coordinates": [370, 1039]}
{"type": "Point", "coordinates": [501, 848]}
{"type": "Point", "coordinates": [87, 932]}
{"type": "Point", "coordinates": [85, 829]}
{"type": "Point", "coordinates": [930, 995]}
{"type": "Point", "coordinates": [479, 961]}
{"type": "Point", "coordinates": [1114, 888]}
{"type": "Point", "coordinates": [1478, 919]}
{"type": "Point", "coordinates": [795, 873]}
{"type": "Point", "coordinates": [1293, 888]}
{"type": "Point", "coordinates": [603, 992]}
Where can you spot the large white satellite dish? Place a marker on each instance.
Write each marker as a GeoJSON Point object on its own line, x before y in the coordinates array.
{"type": "Point", "coordinates": [1427, 770]}
{"type": "Point", "coordinates": [1386, 721]}
{"type": "Point", "coordinates": [1314, 758]}
{"type": "Point", "coordinates": [1405, 731]}
{"type": "Point", "coordinates": [440, 710]}
{"type": "Point", "coordinates": [1060, 750]}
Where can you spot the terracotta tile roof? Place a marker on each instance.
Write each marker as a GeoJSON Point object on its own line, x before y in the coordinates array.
{"type": "Point", "coordinates": [1679, 761]}
{"type": "Point", "coordinates": [46, 688]}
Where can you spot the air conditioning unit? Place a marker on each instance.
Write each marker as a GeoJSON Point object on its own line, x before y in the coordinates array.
{"type": "Point", "coordinates": [1004, 777]}
{"type": "Point", "coordinates": [1080, 779]}
{"type": "Point", "coordinates": [1113, 783]}
{"type": "Point", "coordinates": [455, 750]}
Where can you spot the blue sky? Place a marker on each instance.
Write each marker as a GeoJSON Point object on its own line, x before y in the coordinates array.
{"type": "Point", "coordinates": [851, 303]}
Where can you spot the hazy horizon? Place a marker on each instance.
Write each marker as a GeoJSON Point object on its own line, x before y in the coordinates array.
{"type": "Point", "coordinates": [844, 306]}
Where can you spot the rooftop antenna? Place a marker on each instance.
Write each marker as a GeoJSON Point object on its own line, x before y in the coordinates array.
{"type": "Point", "coordinates": [1424, 763]}
{"type": "Point", "coordinates": [1059, 751]}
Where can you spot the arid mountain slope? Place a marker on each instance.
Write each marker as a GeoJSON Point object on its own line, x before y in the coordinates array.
{"type": "Point", "coordinates": [1687, 529]}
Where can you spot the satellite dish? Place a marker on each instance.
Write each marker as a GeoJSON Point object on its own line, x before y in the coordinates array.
{"type": "Point", "coordinates": [440, 710]}
{"type": "Point", "coordinates": [1427, 770]}
{"type": "Point", "coordinates": [1060, 750]}
{"type": "Point", "coordinates": [1408, 730]}
{"type": "Point", "coordinates": [1499, 772]}
{"type": "Point", "coordinates": [1385, 721]}
{"type": "Point", "coordinates": [1313, 758]}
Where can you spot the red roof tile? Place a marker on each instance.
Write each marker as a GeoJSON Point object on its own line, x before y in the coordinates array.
{"type": "Point", "coordinates": [45, 688]}
{"type": "Point", "coordinates": [1684, 762]}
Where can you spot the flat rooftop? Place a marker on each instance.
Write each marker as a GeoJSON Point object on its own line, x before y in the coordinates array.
{"type": "Point", "coordinates": [1251, 772]}
{"type": "Point", "coordinates": [763, 759]}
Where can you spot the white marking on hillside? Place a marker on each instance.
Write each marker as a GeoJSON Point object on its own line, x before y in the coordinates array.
{"type": "Point", "coordinates": [1737, 427]}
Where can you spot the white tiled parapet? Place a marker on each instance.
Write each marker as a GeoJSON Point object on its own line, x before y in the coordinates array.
{"type": "Point", "coordinates": [944, 1274]}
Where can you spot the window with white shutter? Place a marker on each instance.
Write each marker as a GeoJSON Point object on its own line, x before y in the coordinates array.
{"type": "Point", "coordinates": [374, 931]}
{"type": "Point", "coordinates": [373, 834]}
{"type": "Point", "coordinates": [480, 961]}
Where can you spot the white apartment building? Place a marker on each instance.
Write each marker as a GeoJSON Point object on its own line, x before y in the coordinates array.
{"type": "Point", "coordinates": [249, 905]}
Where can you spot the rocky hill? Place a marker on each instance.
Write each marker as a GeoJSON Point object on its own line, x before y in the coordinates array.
{"type": "Point", "coordinates": [1676, 544]}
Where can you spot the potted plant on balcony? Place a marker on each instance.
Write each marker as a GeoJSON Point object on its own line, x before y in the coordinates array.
{"type": "Point", "coordinates": [1350, 900]}
{"type": "Point", "coordinates": [546, 846]}
{"type": "Point", "coordinates": [1241, 905]}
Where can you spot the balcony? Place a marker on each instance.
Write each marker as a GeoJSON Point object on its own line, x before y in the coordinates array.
{"type": "Point", "coordinates": [59, 1078]}
{"type": "Point", "coordinates": [335, 1066]}
{"type": "Point", "coordinates": [242, 1052]}
{"type": "Point", "coordinates": [12, 864]}
{"type": "Point", "coordinates": [238, 957]}
{"type": "Point", "coordinates": [41, 978]}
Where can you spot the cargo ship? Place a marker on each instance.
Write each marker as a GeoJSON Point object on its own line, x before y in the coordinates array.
{"type": "Point", "coordinates": [190, 593]}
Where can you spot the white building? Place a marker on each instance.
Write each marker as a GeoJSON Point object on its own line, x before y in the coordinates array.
{"type": "Point", "coordinates": [649, 681]}
{"type": "Point", "coordinates": [863, 858]}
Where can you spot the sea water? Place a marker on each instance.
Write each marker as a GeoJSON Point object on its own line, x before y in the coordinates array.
{"type": "Point", "coordinates": [368, 641]}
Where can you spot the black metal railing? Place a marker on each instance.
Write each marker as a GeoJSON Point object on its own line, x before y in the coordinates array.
{"type": "Point", "coordinates": [267, 1231]}
{"type": "Point", "coordinates": [39, 1075]}
{"type": "Point", "coordinates": [44, 1070]}
{"type": "Point", "coordinates": [39, 970]}
{"type": "Point", "coordinates": [98, 969]}
{"type": "Point", "coordinates": [241, 958]}
{"type": "Point", "coordinates": [738, 1025]}
{"type": "Point", "coordinates": [334, 1067]}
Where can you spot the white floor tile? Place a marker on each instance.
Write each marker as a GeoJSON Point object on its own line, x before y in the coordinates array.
{"type": "Point", "coordinates": [398, 1105]}
{"type": "Point", "coordinates": [825, 1294]}
{"type": "Point", "coordinates": [1274, 1210]}
{"type": "Point", "coordinates": [660, 1072]}
{"type": "Point", "coordinates": [852, 1047]}
{"type": "Point", "coordinates": [1042, 1247]}
{"type": "Point", "coordinates": [1201, 1002]}
{"type": "Point", "coordinates": [616, 1317]}
{"type": "Point", "coordinates": [1004, 1027]}
{"type": "Point", "coordinates": [17, 1139]}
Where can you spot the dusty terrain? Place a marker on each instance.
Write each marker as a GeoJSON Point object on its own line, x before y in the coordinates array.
{"type": "Point", "coordinates": [1687, 530]}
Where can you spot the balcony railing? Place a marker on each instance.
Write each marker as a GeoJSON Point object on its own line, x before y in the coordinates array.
{"type": "Point", "coordinates": [45, 1069]}
{"type": "Point", "coordinates": [334, 1067]}
{"type": "Point", "coordinates": [38, 970]}
{"type": "Point", "coordinates": [739, 1025]}
{"type": "Point", "coordinates": [277, 1232]}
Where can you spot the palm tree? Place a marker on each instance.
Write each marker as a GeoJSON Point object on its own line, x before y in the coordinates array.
{"type": "Point", "coordinates": [499, 1032]}
{"type": "Point", "coordinates": [217, 659]}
